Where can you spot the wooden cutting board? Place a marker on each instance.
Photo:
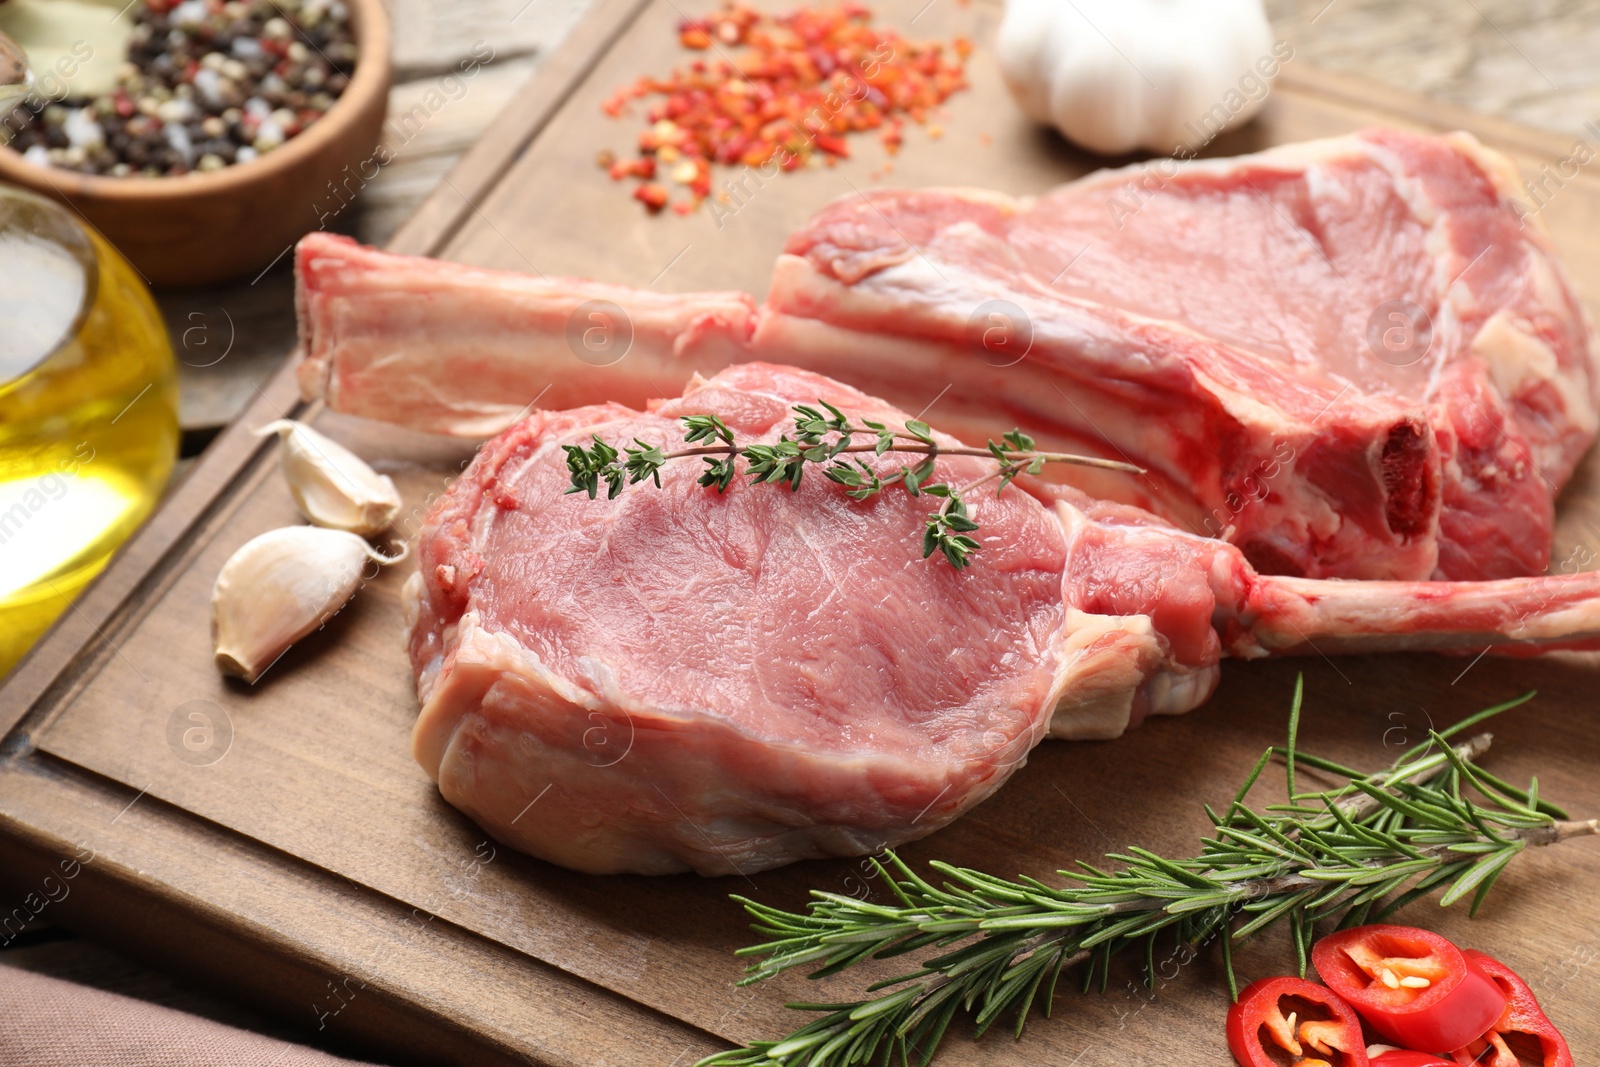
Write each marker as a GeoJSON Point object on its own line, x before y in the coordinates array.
{"type": "Point", "coordinates": [280, 843]}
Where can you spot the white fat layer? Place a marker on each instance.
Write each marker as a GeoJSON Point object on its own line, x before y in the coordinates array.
{"type": "Point", "coordinates": [1518, 361]}
{"type": "Point", "coordinates": [1422, 208]}
{"type": "Point", "coordinates": [1298, 156]}
{"type": "Point", "coordinates": [1102, 661]}
{"type": "Point", "coordinates": [1497, 166]}
{"type": "Point", "coordinates": [508, 656]}
{"type": "Point", "coordinates": [1548, 287]}
{"type": "Point", "coordinates": [411, 600]}
{"type": "Point", "coordinates": [1173, 692]}
{"type": "Point", "coordinates": [1100, 671]}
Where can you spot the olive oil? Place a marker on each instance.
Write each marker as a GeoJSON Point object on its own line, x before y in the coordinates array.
{"type": "Point", "coordinates": [88, 411]}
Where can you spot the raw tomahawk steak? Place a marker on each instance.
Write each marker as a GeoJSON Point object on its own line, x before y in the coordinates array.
{"type": "Point", "coordinates": [683, 679]}
{"type": "Point", "coordinates": [1349, 357]}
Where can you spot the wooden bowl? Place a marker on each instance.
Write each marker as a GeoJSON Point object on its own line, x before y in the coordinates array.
{"type": "Point", "coordinates": [203, 228]}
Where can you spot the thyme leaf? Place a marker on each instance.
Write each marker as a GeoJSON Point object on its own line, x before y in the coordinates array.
{"type": "Point", "coordinates": [825, 436]}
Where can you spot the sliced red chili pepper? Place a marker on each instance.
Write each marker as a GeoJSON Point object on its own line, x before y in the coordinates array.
{"type": "Point", "coordinates": [1412, 986]}
{"type": "Point", "coordinates": [1306, 1025]}
{"type": "Point", "coordinates": [1404, 1057]}
{"type": "Point", "coordinates": [1522, 1020]}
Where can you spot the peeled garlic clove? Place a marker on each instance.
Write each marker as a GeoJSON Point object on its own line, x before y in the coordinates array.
{"type": "Point", "coordinates": [281, 586]}
{"type": "Point", "coordinates": [333, 486]}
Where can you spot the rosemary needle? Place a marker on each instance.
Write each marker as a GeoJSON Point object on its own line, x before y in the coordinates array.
{"type": "Point", "coordinates": [1433, 821]}
{"type": "Point", "coordinates": [822, 437]}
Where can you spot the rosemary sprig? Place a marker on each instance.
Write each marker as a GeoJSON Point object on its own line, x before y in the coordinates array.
{"type": "Point", "coordinates": [1354, 853]}
{"type": "Point", "coordinates": [821, 436]}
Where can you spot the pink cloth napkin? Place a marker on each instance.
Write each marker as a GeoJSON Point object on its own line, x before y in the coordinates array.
{"type": "Point", "coordinates": [45, 1022]}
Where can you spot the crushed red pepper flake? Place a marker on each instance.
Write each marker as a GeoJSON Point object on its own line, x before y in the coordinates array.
{"type": "Point", "coordinates": [652, 195]}
{"type": "Point", "coordinates": [796, 86]}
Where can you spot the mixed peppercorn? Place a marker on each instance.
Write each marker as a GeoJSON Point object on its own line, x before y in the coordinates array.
{"type": "Point", "coordinates": [206, 84]}
{"type": "Point", "coordinates": [782, 93]}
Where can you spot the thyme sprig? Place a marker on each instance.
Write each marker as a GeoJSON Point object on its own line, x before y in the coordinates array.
{"type": "Point", "coordinates": [821, 436]}
{"type": "Point", "coordinates": [1353, 853]}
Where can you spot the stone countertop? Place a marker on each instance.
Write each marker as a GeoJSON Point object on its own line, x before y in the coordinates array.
{"type": "Point", "coordinates": [1530, 61]}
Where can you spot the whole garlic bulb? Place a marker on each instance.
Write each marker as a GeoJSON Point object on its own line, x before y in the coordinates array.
{"type": "Point", "coordinates": [280, 586]}
{"type": "Point", "coordinates": [1119, 75]}
{"type": "Point", "coordinates": [333, 486]}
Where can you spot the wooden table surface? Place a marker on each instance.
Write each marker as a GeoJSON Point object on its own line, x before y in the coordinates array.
{"type": "Point", "coordinates": [1531, 61]}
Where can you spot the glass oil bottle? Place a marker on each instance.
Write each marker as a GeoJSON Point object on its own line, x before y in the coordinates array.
{"type": "Point", "coordinates": [88, 411]}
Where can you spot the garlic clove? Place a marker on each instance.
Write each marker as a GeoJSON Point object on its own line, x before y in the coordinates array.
{"type": "Point", "coordinates": [279, 587]}
{"type": "Point", "coordinates": [333, 486]}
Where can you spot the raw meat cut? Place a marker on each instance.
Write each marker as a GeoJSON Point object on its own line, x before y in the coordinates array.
{"type": "Point", "coordinates": [680, 679]}
{"type": "Point", "coordinates": [458, 350]}
{"type": "Point", "coordinates": [1352, 358]}
{"type": "Point", "coordinates": [1226, 328]}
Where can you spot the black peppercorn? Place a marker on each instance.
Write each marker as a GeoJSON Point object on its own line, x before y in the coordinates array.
{"type": "Point", "coordinates": [199, 84]}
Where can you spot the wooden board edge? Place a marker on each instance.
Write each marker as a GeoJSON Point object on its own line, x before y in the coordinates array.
{"type": "Point", "coordinates": [55, 661]}
{"type": "Point", "coordinates": [519, 123]}
{"type": "Point", "coordinates": [1445, 116]}
{"type": "Point", "coordinates": [415, 978]}
{"type": "Point", "coordinates": [67, 647]}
